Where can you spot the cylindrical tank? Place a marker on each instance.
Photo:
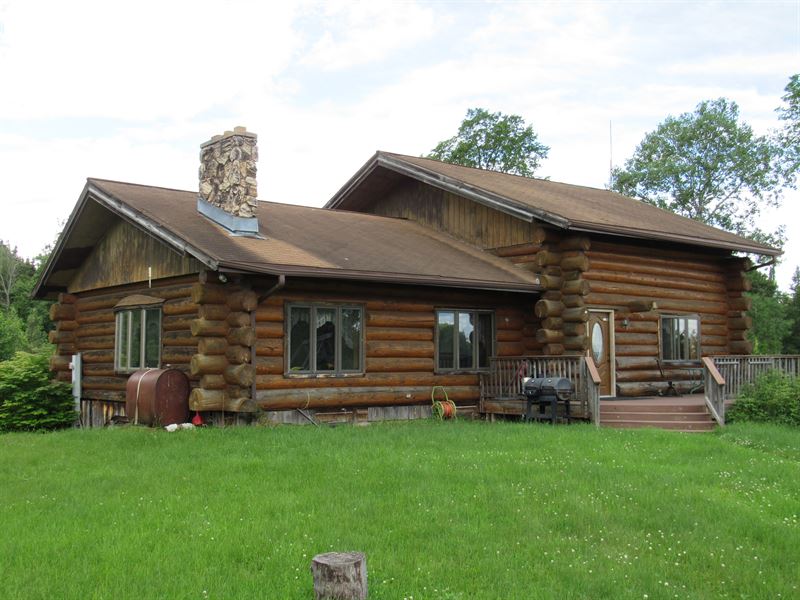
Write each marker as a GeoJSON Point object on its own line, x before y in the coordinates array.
{"type": "Point", "coordinates": [157, 397]}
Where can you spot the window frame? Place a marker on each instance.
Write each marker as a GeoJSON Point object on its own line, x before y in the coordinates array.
{"type": "Point", "coordinates": [119, 315]}
{"type": "Point", "coordinates": [313, 371]}
{"type": "Point", "coordinates": [687, 346]}
{"type": "Point", "coordinates": [475, 352]}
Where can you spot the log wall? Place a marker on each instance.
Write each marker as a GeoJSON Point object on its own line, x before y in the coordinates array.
{"type": "Point", "coordinates": [85, 322]}
{"type": "Point", "coordinates": [399, 346]}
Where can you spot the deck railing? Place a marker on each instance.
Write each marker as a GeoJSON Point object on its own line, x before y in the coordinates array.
{"type": "Point", "coordinates": [714, 390]}
{"type": "Point", "coordinates": [741, 370]}
{"type": "Point", "coordinates": [503, 381]}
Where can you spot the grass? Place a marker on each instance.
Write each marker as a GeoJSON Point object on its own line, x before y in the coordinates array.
{"type": "Point", "coordinates": [442, 510]}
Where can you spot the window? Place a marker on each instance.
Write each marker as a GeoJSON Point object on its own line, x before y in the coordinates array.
{"type": "Point", "coordinates": [325, 339]}
{"type": "Point", "coordinates": [138, 343]}
{"type": "Point", "coordinates": [464, 340]}
{"type": "Point", "coordinates": [680, 337]}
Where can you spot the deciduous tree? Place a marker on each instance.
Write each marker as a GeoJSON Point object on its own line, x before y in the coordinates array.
{"type": "Point", "coordinates": [493, 141]}
{"type": "Point", "coordinates": [709, 166]}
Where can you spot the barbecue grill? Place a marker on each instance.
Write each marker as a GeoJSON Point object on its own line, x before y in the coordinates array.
{"type": "Point", "coordinates": [546, 393]}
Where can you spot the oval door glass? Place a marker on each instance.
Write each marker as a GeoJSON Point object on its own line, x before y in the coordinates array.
{"type": "Point", "coordinates": [597, 343]}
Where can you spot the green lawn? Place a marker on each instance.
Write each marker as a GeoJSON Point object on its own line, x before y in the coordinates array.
{"type": "Point", "coordinates": [442, 510]}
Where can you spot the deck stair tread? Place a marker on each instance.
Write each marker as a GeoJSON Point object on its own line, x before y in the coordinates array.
{"type": "Point", "coordinates": [683, 414]}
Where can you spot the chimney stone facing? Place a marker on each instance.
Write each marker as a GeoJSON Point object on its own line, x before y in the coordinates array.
{"type": "Point", "coordinates": [228, 172]}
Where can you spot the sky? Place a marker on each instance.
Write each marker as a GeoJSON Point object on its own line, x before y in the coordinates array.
{"type": "Point", "coordinates": [129, 91]}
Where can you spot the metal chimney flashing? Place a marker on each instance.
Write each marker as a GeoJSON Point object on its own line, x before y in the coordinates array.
{"type": "Point", "coordinates": [238, 226]}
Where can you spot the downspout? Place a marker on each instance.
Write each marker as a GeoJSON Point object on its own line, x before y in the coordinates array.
{"type": "Point", "coordinates": [275, 288]}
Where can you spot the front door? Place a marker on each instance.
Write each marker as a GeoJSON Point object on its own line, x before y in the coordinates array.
{"type": "Point", "coordinates": [600, 347]}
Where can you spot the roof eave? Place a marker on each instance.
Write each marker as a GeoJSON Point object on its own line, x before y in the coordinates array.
{"type": "Point", "coordinates": [684, 239]}
{"type": "Point", "coordinates": [381, 277]}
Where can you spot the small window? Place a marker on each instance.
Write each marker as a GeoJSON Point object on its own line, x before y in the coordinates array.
{"type": "Point", "coordinates": [680, 337]}
{"type": "Point", "coordinates": [464, 340]}
{"type": "Point", "coordinates": [324, 339]}
{"type": "Point", "coordinates": [138, 339]}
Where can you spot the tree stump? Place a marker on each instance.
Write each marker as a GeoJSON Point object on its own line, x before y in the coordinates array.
{"type": "Point", "coordinates": [340, 576]}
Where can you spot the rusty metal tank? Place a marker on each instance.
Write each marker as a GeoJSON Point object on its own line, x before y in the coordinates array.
{"type": "Point", "coordinates": [157, 397]}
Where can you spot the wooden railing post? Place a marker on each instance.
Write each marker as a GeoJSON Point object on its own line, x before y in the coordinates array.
{"type": "Point", "coordinates": [714, 390]}
{"type": "Point", "coordinates": [592, 388]}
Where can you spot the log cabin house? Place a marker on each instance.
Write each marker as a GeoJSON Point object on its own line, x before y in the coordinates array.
{"type": "Point", "coordinates": [415, 274]}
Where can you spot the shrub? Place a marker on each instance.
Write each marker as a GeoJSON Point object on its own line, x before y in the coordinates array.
{"type": "Point", "coordinates": [29, 399]}
{"type": "Point", "coordinates": [773, 398]}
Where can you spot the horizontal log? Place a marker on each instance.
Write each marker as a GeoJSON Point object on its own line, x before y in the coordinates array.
{"type": "Point", "coordinates": [636, 363]}
{"type": "Point", "coordinates": [242, 336]}
{"type": "Point", "coordinates": [509, 348]}
{"type": "Point", "coordinates": [66, 325]}
{"type": "Point", "coordinates": [542, 235]}
{"type": "Point", "coordinates": [179, 307]}
{"type": "Point", "coordinates": [218, 400]}
{"type": "Point", "coordinates": [635, 326]}
{"type": "Point", "coordinates": [742, 303]}
{"type": "Point", "coordinates": [66, 349]}
{"type": "Point", "coordinates": [548, 308]}
{"type": "Point", "coordinates": [177, 356]}
{"type": "Point", "coordinates": [573, 301]}
{"type": "Point", "coordinates": [356, 396]}
{"type": "Point", "coordinates": [237, 355]}
{"type": "Point", "coordinates": [404, 349]}
{"type": "Point", "coordinates": [98, 356]}
{"type": "Point", "coordinates": [178, 338]}
{"type": "Point", "coordinates": [654, 376]}
{"type": "Point", "coordinates": [239, 319]}
{"type": "Point", "coordinates": [99, 371]}
{"type": "Point", "coordinates": [554, 295]}
{"type": "Point", "coordinates": [508, 335]}
{"type": "Point", "coordinates": [269, 314]}
{"type": "Point", "coordinates": [61, 337]}
{"type": "Point", "coordinates": [103, 342]}
{"type": "Point", "coordinates": [549, 336]}
{"type": "Point", "coordinates": [269, 347]}
{"type": "Point", "coordinates": [647, 293]}
{"type": "Point", "coordinates": [575, 242]}
{"type": "Point", "coordinates": [678, 305]}
{"type": "Point", "coordinates": [400, 334]}
{"type": "Point", "coordinates": [579, 287]}
{"type": "Point", "coordinates": [213, 382]}
{"type": "Point", "coordinates": [400, 306]}
{"type": "Point", "coordinates": [242, 300]}
{"type": "Point", "coordinates": [205, 364]}
{"type": "Point", "coordinates": [577, 262]}
{"type": "Point", "coordinates": [669, 281]}
{"type": "Point", "coordinates": [633, 389]}
{"type": "Point", "coordinates": [65, 298]}
{"type": "Point", "coordinates": [207, 293]}
{"type": "Point", "coordinates": [63, 312]}
{"type": "Point", "coordinates": [550, 282]}
{"type": "Point", "coordinates": [738, 284]}
{"type": "Point", "coordinates": [242, 375]}
{"type": "Point", "coordinates": [576, 342]}
{"type": "Point", "coordinates": [204, 327]}
{"type": "Point", "coordinates": [518, 250]}
{"type": "Point", "coordinates": [579, 315]}
{"type": "Point", "coordinates": [548, 258]}
{"type": "Point", "coordinates": [388, 380]}
{"type": "Point", "coordinates": [213, 312]}
{"type": "Point", "coordinates": [399, 319]}
{"type": "Point", "coordinates": [399, 365]}
{"type": "Point", "coordinates": [745, 322]}
{"type": "Point", "coordinates": [212, 345]}
{"type": "Point", "coordinates": [268, 365]}
{"type": "Point", "coordinates": [573, 328]}
{"type": "Point", "coordinates": [631, 339]}
{"type": "Point", "coordinates": [179, 323]}
{"type": "Point", "coordinates": [104, 383]}
{"type": "Point", "coordinates": [95, 330]}
{"type": "Point", "coordinates": [741, 347]}
{"type": "Point", "coordinates": [553, 349]}
{"type": "Point", "coordinates": [635, 255]}
{"type": "Point", "coordinates": [736, 335]}
{"type": "Point", "coordinates": [635, 350]}
{"type": "Point", "coordinates": [269, 330]}
{"type": "Point", "coordinates": [551, 323]}
{"type": "Point", "coordinates": [59, 363]}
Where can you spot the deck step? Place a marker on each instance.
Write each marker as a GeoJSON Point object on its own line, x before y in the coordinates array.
{"type": "Point", "coordinates": [689, 426]}
{"type": "Point", "coordinates": [624, 407]}
{"type": "Point", "coordinates": [638, 415]}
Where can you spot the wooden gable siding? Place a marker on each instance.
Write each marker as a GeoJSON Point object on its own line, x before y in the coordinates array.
{"type": "Point", "coordinates": [124, 255]}
{"type": "Point", "coordinates": [399, 353]}
{"type": "Point", "coordinates": [460, 217]}
{"type": "Point", "coordinates": [85, 323]}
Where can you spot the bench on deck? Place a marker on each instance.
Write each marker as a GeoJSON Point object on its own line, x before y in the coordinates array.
{"type": "Point", "coordinates": [693, 369]}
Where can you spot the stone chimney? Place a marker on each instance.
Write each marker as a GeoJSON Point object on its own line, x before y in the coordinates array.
{"type": "Point", "coordinates": [228, 188]}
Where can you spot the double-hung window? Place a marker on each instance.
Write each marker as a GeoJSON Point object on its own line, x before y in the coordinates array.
{"type": "Point", "coordinates": [138, 337]}
{"type": "Point", "coordinates": [680, 337]}
{"type": "Point", "coordinates": [325, 339]}
{"type": "Point", "coordinates": [464, 339]}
